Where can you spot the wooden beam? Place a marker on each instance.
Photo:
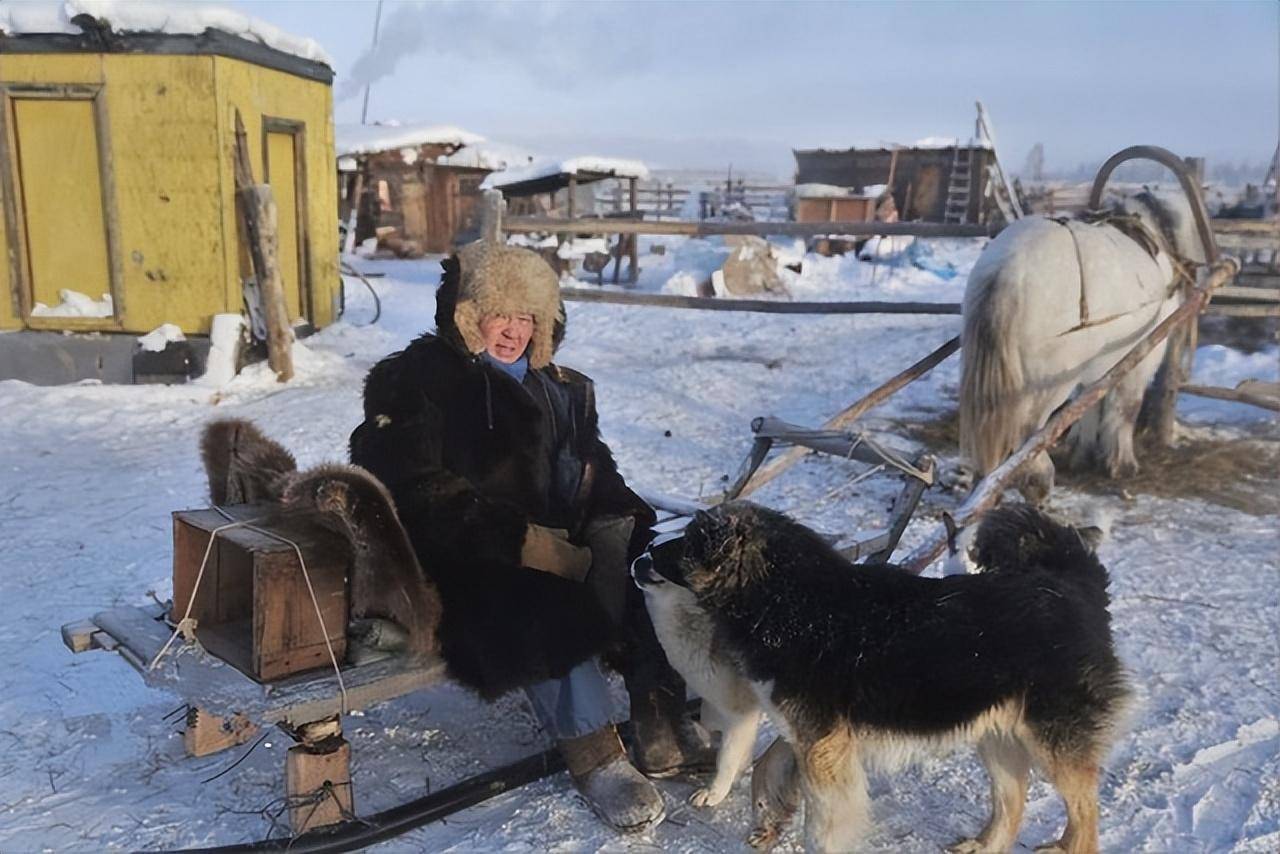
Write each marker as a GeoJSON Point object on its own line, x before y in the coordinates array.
{"type": "Point", "coordinates": [1257, 310]}
{"type": "Point", "coordinates": [853, 412]}
{"type": "Point", "coordinates": [261, 220]}
{"type": "Point", "coordinates": [1239, 395]}
{"type": "Point", "coordinates": [206, 733]}
{"type": "Point", "coordinates": [757, 305]}
{"type": "Point", "coordinates": [586, 225]}
{"type": "Point", "coordinates": [990, 488]}
{"type": "Point", "coordinates": [491, 215]}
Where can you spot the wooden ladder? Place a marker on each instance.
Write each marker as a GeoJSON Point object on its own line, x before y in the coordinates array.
{"type": "Point", "coordinates": [957, 207]}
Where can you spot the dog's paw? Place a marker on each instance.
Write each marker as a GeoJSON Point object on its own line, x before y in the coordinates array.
{"type": "Point", "coordinates": [707, 796]}
{"type": "Point", "coordinates": [763, 838]}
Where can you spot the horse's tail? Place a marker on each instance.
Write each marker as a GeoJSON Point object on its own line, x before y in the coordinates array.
{"type": "Point", "coordinates": [992, 405]}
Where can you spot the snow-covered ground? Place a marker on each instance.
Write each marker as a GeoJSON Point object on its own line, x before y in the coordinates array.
{"type": "Point", "coordinates": [90, 473]}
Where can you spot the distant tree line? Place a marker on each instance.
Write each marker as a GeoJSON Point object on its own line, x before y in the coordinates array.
{"type": "Point", "coordinates": [1237, 172]}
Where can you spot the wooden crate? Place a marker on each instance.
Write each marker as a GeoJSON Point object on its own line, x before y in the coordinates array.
{"type": "Point", "coordinates": [851, 209]}
{"type": "Point", "coordinates": [253, 609]}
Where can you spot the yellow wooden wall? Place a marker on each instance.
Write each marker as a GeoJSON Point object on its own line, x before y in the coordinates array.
{"type": "Point", "coordinates": [170, 127]}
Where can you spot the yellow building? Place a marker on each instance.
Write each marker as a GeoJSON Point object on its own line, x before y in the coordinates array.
{"type": "Point", "coordinates": [117, 177]}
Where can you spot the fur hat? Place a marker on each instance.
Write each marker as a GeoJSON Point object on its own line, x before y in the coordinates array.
{"type": "Point", "coordinates": [499, 279]}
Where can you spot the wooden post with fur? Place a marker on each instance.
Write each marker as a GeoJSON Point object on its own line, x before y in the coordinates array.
{"type": "Point", "coordinates": [850, 414]}
{"type": "Point", "coordinates": [988, 491]}
{"type": "Point", "coordinates": [259, 215]}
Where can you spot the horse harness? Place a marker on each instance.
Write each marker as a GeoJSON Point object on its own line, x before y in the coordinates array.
{"type": "Point", "coordinates": [1131, 226]}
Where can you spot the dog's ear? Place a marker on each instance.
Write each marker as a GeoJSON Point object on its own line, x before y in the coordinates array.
{"type": "Point", "coordinates": [1092, 536]}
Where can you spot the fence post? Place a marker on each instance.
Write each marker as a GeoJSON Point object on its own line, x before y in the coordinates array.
{"type": "Point", "coordinates": [491, 208]}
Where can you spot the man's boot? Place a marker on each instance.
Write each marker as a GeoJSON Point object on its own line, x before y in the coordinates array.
{"type": "Point", "coordinates": [665, 740]}
{"type": "Point", "coordinates": [611, 785]}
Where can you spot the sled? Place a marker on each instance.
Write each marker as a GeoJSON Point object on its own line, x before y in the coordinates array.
{"type": "Point", "coordinates": [225, 707]}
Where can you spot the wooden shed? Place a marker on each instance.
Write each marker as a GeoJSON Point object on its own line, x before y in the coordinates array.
{"type": "Point", "coordinates": [931, 181]}
{"type": "Point", "coordinates": [117, 179]}
{"type": "Point", "coordinates": [417, 187]}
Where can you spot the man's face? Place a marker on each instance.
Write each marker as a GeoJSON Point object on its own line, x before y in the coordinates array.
{"type": "Point", "coordinates": [506, 335]}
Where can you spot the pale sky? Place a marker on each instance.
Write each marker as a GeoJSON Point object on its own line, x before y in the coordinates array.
{"type": "Point", "coordinates": [703, 84]}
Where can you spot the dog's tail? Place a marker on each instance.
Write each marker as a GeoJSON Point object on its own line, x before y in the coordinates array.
{"type": "Point", "coordinates": [1023, 539]}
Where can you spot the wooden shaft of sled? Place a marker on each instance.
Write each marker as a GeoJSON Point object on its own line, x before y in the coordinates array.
{"type": "Point", "coordinates": [990, 488]}
{"type": "Point", "coordinates": [852, 413]}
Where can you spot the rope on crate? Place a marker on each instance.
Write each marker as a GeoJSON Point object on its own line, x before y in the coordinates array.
{"type": "Point", "coordinates": [187, 626]}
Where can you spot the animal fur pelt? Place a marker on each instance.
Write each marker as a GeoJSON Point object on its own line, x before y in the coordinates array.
{"type": "Point", "coordinates": [245, 466]}
{"type": "Point", "coordinates": [870, 664]}
{"type": "Point", "coordinates": [386, 580]}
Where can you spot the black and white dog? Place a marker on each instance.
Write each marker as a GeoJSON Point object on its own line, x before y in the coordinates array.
{"type": "Point", "coordinates": [869, 665]}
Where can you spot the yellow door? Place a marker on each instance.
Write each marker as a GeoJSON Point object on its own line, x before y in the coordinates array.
{"type": "Point", "coordinates": [282, 171]}
{"type": "Point", "coordinates": [60, 191]}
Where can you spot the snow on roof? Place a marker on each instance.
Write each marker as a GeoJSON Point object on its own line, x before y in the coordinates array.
{"type": "Point", "coordinates": [491, 156]}
{"type": "Point", "coordinates": [543, 168]}
{"type": "Point", "coordinates": [151, 16]}
{"type": "Point", "coordinates": [823, 191]}
{"type": "Point", "coordinates": [367, 139]}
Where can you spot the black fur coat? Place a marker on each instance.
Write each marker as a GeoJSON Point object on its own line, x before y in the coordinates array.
{"type": "Point", "coordinates": [471, 457]}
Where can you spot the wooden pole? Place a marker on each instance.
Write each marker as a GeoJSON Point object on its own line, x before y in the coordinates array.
{"type": "Point", "coordinates": [261, 221]}
{"type": "Point", "coordinates": [491, 206]}
{"type": "Point", "coordinates": [586, 225]}
{"type": "Point", "coordinates": [633, 274]}
{"type": "Point", "coordinates": [852, 413]}
{"type": "Point", "coordinates": [760, 306]}
{"type": "Point", "coordinates": [573, 196]}
{"type": "Point", "coordinates": [990, 488]}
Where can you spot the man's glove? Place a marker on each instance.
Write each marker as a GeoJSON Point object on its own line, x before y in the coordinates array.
{"type": "Point", "coordinates": [549, 550]}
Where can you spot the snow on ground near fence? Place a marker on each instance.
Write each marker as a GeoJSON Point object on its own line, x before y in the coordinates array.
{"type": "Point", "coordinates": [90, 474]}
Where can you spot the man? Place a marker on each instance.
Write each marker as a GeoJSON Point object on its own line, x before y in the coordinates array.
{"type": "Point", "coordinates": [516, 509]}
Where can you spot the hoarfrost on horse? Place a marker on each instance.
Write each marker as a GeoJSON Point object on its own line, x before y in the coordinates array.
{"type": "Point", "coordinates": [1050, 306]}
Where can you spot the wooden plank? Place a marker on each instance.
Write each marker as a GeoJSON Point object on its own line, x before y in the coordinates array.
{"type": "Point", "coordinates": [1248, 242]}
{"type": "Point", "coordinates": [1258, 310]}
{"type": "Point", "coordinates": [988, 491]}
{"type": "Point", "coordinates": [78, 636]}
{"type": "Point", "coordinates": [202, 680]}
{"type": "Point", "coordinates": [258, 211]}
{"type": "Point", "coordinates": [1256, 396]}
{"type": "Point", "coordinates": [553, 225]}
{"type": "Point", "coordinates": [206, 733]}
{"type": "Point", "coordinates": [1246, 294]}
{"type": "Point", "coordinates": [759, 306]}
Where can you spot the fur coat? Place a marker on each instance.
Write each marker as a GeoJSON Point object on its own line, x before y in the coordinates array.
{"type": "Point", "coordinates": [471, 457]}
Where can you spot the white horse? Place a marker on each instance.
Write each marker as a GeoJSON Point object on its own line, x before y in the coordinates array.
{"type": "Point", "coordinates": [1050, 306]}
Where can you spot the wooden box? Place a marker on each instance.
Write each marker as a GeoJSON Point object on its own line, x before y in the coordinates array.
{"type": "Point", "coordinates": [253, 608]}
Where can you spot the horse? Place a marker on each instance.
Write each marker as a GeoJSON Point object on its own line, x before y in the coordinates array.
{"type": "Point", "coordinates": [1050, 306]}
